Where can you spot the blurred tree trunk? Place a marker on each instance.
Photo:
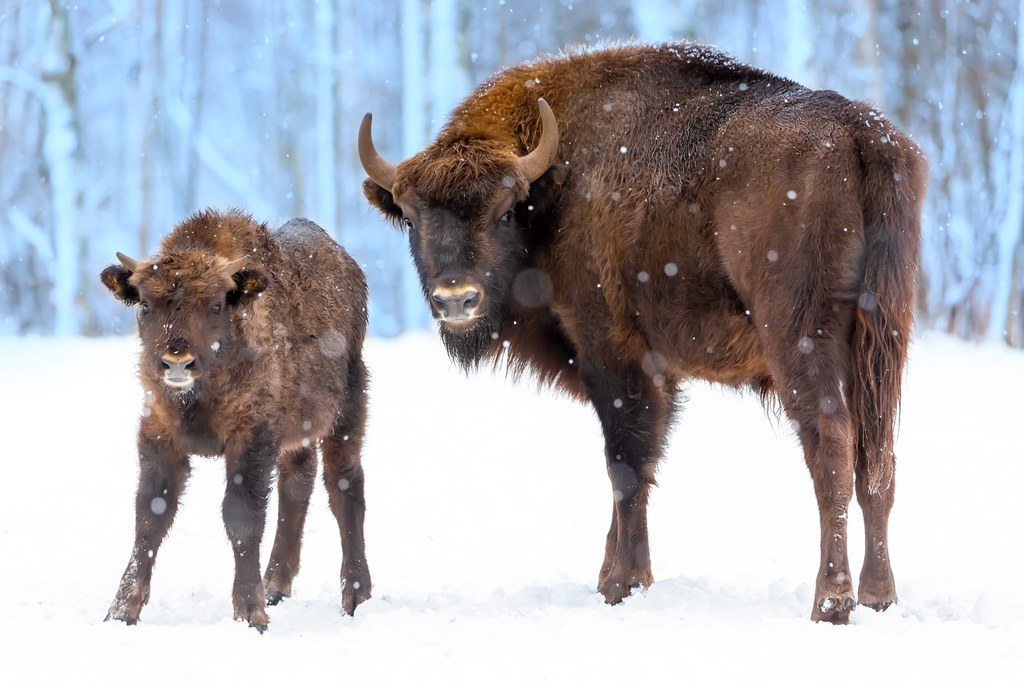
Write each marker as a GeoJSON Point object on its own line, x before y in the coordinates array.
{"type": "Point", "coordinates": [56, 89]}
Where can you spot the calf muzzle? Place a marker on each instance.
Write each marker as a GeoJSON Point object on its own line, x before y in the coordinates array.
{"type": "Point", "coordinates": [178, 367]}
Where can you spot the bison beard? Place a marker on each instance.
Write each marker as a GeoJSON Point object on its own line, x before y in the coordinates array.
{"type": "Point", "coordinates": [468, 347]}
{"type": "Point", "coordinates": [186, 400]}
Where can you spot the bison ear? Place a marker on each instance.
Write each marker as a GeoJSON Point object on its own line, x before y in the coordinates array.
{"type": "Point", "coordinates": [115, 278]}
{"type": "Point", "coordinates": [382, 201]}
{"type": "Point", "coordinates": [547, 189]}
{"type": "Point", "coordinates": [248, 285]}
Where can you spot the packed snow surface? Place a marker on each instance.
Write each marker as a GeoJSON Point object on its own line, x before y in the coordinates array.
{"type": "Point", "coordinates": [488, 505]}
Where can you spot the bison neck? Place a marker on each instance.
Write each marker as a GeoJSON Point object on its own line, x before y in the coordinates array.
{"type": "Point", "coordinates": [532, 341]}
{"type": "Point", "coordinates": [193, 425]}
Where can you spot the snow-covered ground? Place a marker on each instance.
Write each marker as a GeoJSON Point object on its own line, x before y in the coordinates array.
{"type": "Point", "coordinates": [485, 539]}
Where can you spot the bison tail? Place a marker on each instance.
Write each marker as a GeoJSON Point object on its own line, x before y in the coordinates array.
{"type": "Point", "coordinates": [893, 190]}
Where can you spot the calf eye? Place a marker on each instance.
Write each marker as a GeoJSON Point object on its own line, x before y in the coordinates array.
{"type": "Point", "coordinates": [215, 308]}
{"type": "Point", "coordinates": [145, 307]}
{"type": "Point", "coordinates": [506, 216]}
{"type": "Point", "coordinates": [408, 224]}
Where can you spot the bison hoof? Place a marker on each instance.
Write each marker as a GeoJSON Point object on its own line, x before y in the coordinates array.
{"type": "Point", "coordinates": [877, 595]}
{"type": "Point", "coordinates": [615, 591]}
{"type": "Point", "coordinates": [253, 613]}
{"type": "Point", "coordinates": [125, 610]}
{"type": "Point", "coordinates": [259, 627]}
{"type": "Point", "coordinates": [124, 618]}
{"type": "Point", "coordinates": [274, 597]}
{"type": "Point", "coordinates": [835, 610]}
{"type": "Point", "coordinates": [353, 594]}
{"type": "Point", "coordinates": [876, 604]}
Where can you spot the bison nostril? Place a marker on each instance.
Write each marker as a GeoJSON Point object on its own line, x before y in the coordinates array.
{"type": "Point", "coordinates": [440, 303]}
{"type": "Point", "coordinates": [190, 364]}
{"type": "Point", "coordinates": [471, 301]}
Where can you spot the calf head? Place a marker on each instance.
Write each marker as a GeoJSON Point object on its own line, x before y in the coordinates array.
{"type": "Point", "coordinates": [466, 203]}
{"type": "Point", "coordinates": [184, 304]}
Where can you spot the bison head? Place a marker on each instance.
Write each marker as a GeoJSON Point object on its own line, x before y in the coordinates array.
{"type": "Point", "coordinates": [184, 301]}
{"type": "Point", "coordinates": [466, 203]}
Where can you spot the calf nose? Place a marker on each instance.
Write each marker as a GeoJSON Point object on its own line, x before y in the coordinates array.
{"type": "Point", "coordinates": [457, 303]}
{"type": "Point", "coordinates": [178, 364]}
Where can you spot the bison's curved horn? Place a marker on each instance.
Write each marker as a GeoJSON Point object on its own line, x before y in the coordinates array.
{"type": "Point", "coordinates": [537, 162]}
{"type": "Point", "coordinates": [379, 170]}
{"type": "Point", "coordinates": [127, 262]}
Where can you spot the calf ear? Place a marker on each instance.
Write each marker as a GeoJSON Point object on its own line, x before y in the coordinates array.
{"type": "Point", "coordinates": [248, 285]}
{"type": "Point", "coordinates": [115, 278]}
{"type": "Point", "coordinates": [546, 190]}
{"type": "Point", "coordinates": [382, 200]}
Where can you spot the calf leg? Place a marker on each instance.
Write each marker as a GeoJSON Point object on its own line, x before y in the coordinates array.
{"type": "Point", "coordinates": [634, 416]}
{"type": "Point", "coordinates": [877, 587]}
{"type": "Point", "coordinates": [296, 474]}
{"type": "Point", "coordinates": [343, 477]}
{"type": "Point", "coordinates": [162, 476]}
{"type": "Point", "coordinates": [245, 514]}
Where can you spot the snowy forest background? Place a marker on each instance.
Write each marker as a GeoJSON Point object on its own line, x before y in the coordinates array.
{"type": "Point", "coordinates": [120, 117]}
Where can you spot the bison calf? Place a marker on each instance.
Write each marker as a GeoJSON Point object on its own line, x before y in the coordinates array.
{"type": "Point", "coordinates": [251, 349]}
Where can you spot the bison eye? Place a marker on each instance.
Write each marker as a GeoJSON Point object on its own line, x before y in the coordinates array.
{"type": "Point", "coordinates": [215, 308]}
{"type": "Point", "coordinates": [408, 224]}
{"type": "Point", "coordinates": [506, 216]}
{"type": "Point", "coordinates": [145, 308]}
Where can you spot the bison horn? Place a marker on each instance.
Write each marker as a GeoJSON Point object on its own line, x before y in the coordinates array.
{"type": "Point", "coordinates": [379, 170]}
{"type": "Point", "coordinates": [537, 162]}
{"type": "Point", "coordinates": [127, 262]}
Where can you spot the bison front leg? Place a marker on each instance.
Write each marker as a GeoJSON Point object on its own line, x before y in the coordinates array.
{"type": "Point", "coordinates": [634, 414]}
{"type": "Point", "coordinates": [162, 476]}
{"type": "Point", "coordinates": [297, 473]}
{"type": "Point", "coordinates": [245, 514]}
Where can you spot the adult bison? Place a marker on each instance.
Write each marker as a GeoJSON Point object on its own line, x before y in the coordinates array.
{"type": "Point", "coordinates": [251, 349]}
{"type": "Point", "coordinates": [675, 215]}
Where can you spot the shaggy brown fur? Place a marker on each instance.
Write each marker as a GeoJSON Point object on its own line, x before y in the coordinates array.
{"type": "Point", "coordinates": [700, 219]}
{"type": "Point", "coordinates": [252, 350]}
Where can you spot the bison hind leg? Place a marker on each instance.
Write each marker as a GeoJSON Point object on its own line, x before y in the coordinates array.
{"type": "Point", "coordinates": [344, 480]}
{"type": "Point", "coordinates": [296, 475]}
{"type": "Point", "coordinates": [876, 588]}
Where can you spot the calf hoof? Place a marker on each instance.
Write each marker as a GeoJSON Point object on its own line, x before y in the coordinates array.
{"type": "Point", "coordinates": [253, 613]}
{"type": "Point", "coordinates": [354, 593]}
{"type": "Point", "coordinates": [615, 589]}
{"type": "Point", "coordinates": [832, 609]}
{"type": "Point", "coordinates": [126, 609]}
{"type": "Point", "coordinates": [121, 617]}
{"type": "Point", "coordinates": [276, 586]}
